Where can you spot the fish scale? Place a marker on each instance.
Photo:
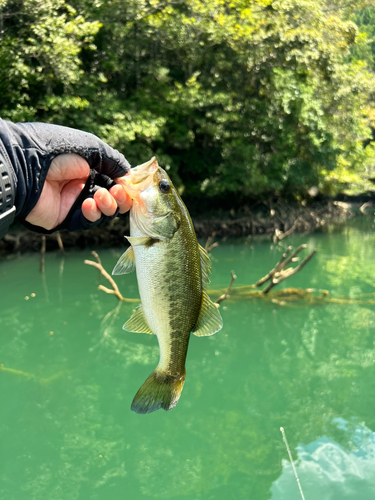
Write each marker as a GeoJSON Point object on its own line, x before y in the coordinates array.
{"type": "Point", "coordinates": [170, 287]}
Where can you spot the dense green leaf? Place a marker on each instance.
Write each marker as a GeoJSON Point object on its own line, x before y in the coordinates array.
{"type": "Point", "coordinates": [246, 98]}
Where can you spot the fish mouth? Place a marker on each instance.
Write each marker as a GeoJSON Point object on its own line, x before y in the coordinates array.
{"type": "Point", "coordinates": [140, 177]}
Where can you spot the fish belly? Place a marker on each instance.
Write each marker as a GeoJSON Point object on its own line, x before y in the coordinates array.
{"type": "Point", "coordinates": [170, 287]}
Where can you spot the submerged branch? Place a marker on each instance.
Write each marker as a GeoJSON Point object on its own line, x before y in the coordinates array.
{"type": "Point", "coordinates": [42, 253]}
{"type": "Point", "coordinates": [30, 376]}
{"type": "Point", "coordinates": [60, 242]}
{"type": "Point", "coordinates": [115, 290]}
{"type": "Point", "coordinates": [363, 207]}
{"type": "Point", "coordinates": [273, 271]}
{"type": "Point", "coordinates": [226, 294]}
{"type": "Point", "coordinates": [284, 274]}
{"type": "Point", "coordinates": [280, 235]}
{"type": "Point", "coordinates": [286, 296]}
{"type": "Point", "coordinates": [279, 273]}
{"type": "Point", "coordinates": [210, 243]}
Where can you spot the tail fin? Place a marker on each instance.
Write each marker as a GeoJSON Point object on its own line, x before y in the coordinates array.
{"type": "Point", "coordinates": [159, 391]}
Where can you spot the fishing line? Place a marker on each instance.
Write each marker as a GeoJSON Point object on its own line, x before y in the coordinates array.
{"type": "Point", "coordinates": [291, 461]}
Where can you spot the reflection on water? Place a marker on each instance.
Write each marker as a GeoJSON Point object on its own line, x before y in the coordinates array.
{"type": "Point", "coordinates": [329, 471]}
{"type": "Point", "coordinates": [67, 432]}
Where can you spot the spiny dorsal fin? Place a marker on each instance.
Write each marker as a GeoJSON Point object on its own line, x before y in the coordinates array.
{"type": "Point", "coordinates": [126, 263]}
{"type": "Point", "coordinates": [137, 322]}
{"type": "Point", "coordinates": [209, 321]}
{"type": "Point", "coordinates": [205, 266]}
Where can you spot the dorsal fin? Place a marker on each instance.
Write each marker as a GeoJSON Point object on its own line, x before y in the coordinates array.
{"type": "Point", "coordinates": [137, 323]}
{"type": "Point", "coordinates": [209, 321]}
{"type": "Point", "coordinates": [205, 266]}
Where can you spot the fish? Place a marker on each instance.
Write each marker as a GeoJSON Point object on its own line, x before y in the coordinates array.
{"type": "Point", "coordinates": [172, 273]}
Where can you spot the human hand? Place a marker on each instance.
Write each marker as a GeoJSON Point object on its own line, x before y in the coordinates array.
{"type": "Point", "coordinates": [64, 182]}
{"type": "Point", "coordinates": [63, 178]}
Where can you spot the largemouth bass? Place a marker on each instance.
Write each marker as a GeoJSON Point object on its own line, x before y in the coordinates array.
{"type": "Point", "coordinates": [172, 272]}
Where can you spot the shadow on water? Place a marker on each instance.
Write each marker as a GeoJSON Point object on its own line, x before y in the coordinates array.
{"type": "Point", "coordinates": [309, 369]}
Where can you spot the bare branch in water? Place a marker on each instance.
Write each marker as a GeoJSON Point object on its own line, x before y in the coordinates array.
{"type": "Point", "coordinates": [278, 273]}
{"type": "Point", "coordinates": [210, 244]}
{"type": "Point", "coordinates": [279, 235]}
{"type": "Point", "coordinates": [60, 242]}
{"type": "Point", "coordinates": [284, 297]}
{"type": "Point", "coordinates": [226, 294]}
{"type": "Point", "coordinates": [275, 276]}
{"type": "Point", "coordinates": [273, 271]}
{"type": "Point", "coordinates": [42, 253]}
{"type": "Point", "coordinates": [96, 255]}
{"type": "Point", "coordinates": [292, 258]}
{"type": "Point", "coordinates": [30, 376]}
{"type": "Point", "coordinates": [284, 274]}
{"type": "Point", "coordinates": [114, 290]}
{"type": "Point", "coordinates": [363, 207]}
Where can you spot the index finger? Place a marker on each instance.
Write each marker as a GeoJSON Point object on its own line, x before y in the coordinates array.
{"type": "Point", "coordinates": [123, 200]}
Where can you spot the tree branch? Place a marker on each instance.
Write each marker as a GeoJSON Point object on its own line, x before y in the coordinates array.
{"type": "Point", "coordinates": [279, 235]}
{"type": "Point", "coordinates": [226, 294]}
{"type": "Point", "coordinates": [210, 244]}
{"type": "Point", "coordinates": [274, 270]}
{"type": "Point", "coordinates": [115, 290]}
{"type": "Point", "coordinates": [287, 273]}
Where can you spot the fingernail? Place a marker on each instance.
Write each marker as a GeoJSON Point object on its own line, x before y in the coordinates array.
{"type": "Point", "coordinates": [120, 196]}
{"type": "Point", "coordinates": [106, 199]}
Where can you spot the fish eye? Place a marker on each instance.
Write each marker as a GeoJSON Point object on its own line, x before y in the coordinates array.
{"type": "Point", "coordinates": [164, 186]}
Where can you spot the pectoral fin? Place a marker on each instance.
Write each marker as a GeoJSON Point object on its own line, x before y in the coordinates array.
{"type": "Point", "coordinates": [126, 263]}
{"type": "Point", "coordinates": [137, 323]}
{"type": "Point", "coordinates": [137, 242]}
{"type": "Point", "coordinates": [209, 321]}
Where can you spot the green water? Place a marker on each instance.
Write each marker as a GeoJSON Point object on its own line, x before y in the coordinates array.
{"type": "Point", "coordinates": [67, 432]}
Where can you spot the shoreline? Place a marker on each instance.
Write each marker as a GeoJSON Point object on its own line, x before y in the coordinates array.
{"type": "Point", "coordinates": [275, 222]}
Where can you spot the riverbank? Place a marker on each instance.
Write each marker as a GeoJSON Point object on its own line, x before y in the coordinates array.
{"type": "Point", "coordinates": [275, 221]}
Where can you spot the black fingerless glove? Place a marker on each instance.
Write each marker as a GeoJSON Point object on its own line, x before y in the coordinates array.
{"type": "Point", "coordinates": [26, 153]}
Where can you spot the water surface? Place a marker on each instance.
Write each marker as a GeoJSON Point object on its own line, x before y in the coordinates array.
{"type": "Point", "coordinates": [66, 429]}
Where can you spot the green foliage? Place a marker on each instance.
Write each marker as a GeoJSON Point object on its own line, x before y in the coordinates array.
{"type": "Point", "coordinates": [365, 48]}
{"type": "Point", "coordinates": [39, 58]}
{"type": "Point", "coordinates": [247, 98]}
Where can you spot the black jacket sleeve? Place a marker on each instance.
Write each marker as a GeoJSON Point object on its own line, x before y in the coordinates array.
{"type": "Point", "coordinates": [26, 153]}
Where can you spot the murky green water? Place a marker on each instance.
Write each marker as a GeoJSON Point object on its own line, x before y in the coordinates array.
{"type": "Point", "coordinates": [67, 432]}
